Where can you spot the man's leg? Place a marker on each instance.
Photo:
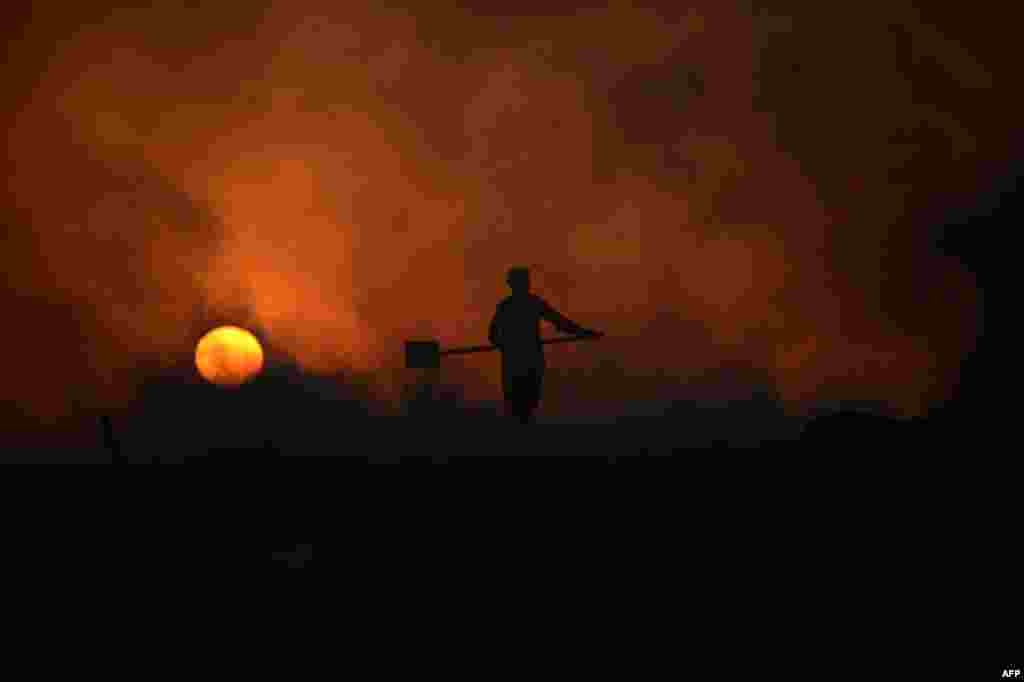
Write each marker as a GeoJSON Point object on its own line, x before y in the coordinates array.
{"type": "Point", "coordinates": [522, 391]}
{"type": "Point", "coordinates": [511, 395]}
{"type": "Point", "coordinates": [517, 404]}
{"type": "Point", "coordinates": [532, 389]}
{"type": "Point", "coordinates": [517, 398]}
{"type": "Point", "coordinates": [523, 399]}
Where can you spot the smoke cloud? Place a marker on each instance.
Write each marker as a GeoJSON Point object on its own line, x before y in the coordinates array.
{"type": "Point", "coordinates": [716, 187]}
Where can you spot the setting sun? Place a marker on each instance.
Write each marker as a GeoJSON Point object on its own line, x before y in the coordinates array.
{"type": "Point", "coordinates": [228, 356]}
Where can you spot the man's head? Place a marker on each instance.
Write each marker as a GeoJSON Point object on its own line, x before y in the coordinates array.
{"type": "Point", "coordinates": [518, 279]}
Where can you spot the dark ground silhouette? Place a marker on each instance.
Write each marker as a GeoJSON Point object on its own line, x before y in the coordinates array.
{"type": "Point", "coordinates": [205, 424]}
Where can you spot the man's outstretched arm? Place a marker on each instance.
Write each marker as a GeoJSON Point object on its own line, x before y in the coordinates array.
{"type": "Point", "coordinates": [563, 323]}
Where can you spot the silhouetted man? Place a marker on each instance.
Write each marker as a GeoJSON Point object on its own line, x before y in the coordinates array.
{"type": "Point", "coordinates": [515, 329]}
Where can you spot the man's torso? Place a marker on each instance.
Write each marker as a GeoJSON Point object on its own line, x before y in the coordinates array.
{"type": "Point", "coordinates": [519, 322]}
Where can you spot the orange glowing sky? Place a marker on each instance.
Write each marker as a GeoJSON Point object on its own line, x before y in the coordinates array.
{"type": "Point", "coordinates": [354, 176]}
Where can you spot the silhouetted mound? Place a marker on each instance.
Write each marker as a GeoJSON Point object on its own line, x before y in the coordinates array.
{"type": "Point", "coordinates": [848, 429]}
{"type": "Point", "coordinates": [283, 409]}
{"type": "Point", "coordinates": [267, 451]}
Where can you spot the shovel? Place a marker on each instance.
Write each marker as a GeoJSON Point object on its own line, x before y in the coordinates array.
{"type": "Point", "coordinates": [427, 354]}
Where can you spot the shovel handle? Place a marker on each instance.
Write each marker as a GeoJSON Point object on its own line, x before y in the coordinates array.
{"type": "Point", "coordinates": [482, 349]}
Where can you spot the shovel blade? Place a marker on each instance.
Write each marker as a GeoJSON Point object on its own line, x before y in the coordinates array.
{"type": "Point", "coordinates": [422, 354]}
